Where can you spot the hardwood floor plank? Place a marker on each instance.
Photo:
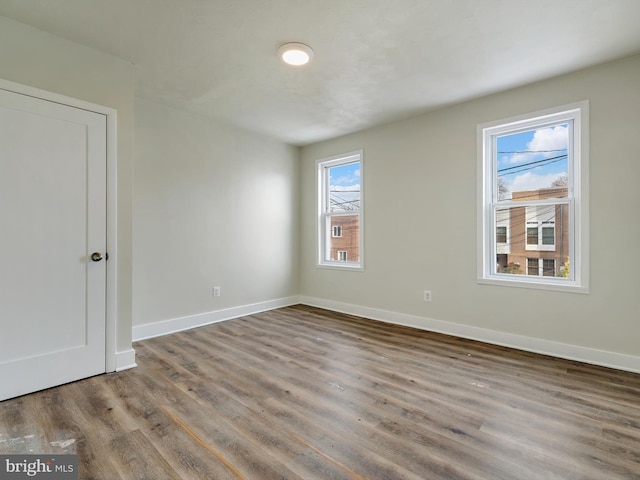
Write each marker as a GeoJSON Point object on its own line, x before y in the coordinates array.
{"type": "Point", "coordinates": [137, 459]}
{"type": "Point", "coordinates": [146, 402]}
{"type": "Point", "coordinates": [300, 393]}
{"type": "Point", "coordinates": [266, 436]}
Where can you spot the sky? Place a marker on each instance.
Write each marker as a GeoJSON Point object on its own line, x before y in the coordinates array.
{"type": "Point", "coordinates": [345, 182]}
{"type": "Point", "coordinates": [518, 152]}
{"type": "Point", "coordinates": [345, 177]}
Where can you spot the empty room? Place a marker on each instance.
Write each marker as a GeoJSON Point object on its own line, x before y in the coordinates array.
{"type": "Point", "coordinates": [356, 239]}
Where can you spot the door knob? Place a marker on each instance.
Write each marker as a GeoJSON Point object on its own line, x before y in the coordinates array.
{"type": "Point", "coordinates": [96, 256]}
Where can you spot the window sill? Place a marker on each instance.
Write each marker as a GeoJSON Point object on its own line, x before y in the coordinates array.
{"type": "Point", "coordinates": [341, 266]}
{"type": "Point", "coordinates": [550, 285]}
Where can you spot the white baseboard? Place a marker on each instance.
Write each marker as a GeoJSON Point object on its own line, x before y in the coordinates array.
{"type": "Point", "coordinates": [603, 358]}
{"type": "Point", "coordinates": [593, 356]}
{"type": "Point", "coordinates": [174, 325]}
{"type": "Point", "coordinates": [125, 360]}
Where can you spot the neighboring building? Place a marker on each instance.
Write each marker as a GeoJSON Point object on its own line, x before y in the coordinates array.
{"type": "Point", "coordinates": [534, 240]}
{"type": "Point", "coordinates": [345, 238]}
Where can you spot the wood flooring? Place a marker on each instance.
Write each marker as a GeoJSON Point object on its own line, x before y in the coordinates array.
{"type": "Point", "coordinates": [303, 393]}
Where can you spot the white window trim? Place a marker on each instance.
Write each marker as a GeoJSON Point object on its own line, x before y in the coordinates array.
{"type": "Point", "coordinates": [322, 230]}
{"type": "Point", "coordinates": [579, 203]}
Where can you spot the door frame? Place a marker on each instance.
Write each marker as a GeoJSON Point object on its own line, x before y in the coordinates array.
{"type": "Point", "coordinates": [111, 314]}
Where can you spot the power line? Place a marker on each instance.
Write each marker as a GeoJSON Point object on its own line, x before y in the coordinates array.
{"type": "Point", "coordinates": [558, 158]}
{"type": "Point", "coordinates": [529, 168]}
{"type": "Point", "coordinates": [534, 151]}
{"type": "Point", "coordinates": [343, 203]}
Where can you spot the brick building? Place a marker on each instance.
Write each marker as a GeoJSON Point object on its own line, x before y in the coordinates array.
{"type": "Point", "coordinates": [345, 238]}
{"type": "Point", "coordinates": [534, 240]}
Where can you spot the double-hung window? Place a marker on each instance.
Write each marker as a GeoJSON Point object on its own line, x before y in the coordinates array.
{"type": "Point", "coordinates": [533, 200]}
{"type": "Point", "coordinates": [340, 211]}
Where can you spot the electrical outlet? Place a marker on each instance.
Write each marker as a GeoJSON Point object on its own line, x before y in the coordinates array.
{"type": "Point", "coordinates": [427, 295]}
{"type": "Point", "coordinates": [216, 291]}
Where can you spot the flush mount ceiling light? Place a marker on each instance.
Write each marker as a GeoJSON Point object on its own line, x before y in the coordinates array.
{"type": "Point", "coordinates": [295, 53]}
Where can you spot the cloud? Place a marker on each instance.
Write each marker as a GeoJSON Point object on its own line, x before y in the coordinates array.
{"type": "Point", "coordinates": [516, 158]}
{"type": "Point", "coordinates": [345, 188]}
{"type": "Point", "coordinates": [533, 181]}
{"type": "Point", "coordinates": [348, 181]}
{"type": "Point", "coordinates": [551, 138]}
{"type": "Point", "coordinates": [544, 141]}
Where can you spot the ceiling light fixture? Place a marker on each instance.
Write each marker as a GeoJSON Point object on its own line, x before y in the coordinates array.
{"type": "Point", "coordinates": [295, 53]}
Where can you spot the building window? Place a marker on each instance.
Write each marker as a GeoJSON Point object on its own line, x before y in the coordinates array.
{"type": "Point", "coordinates": [545, 267]}
{"type": "Point", "coordinates": [533, 198]}
{"type": "Point", "coordinates": [340, 211]}
{"type": "Point", "coordinates": [532, 266]}
{"type": "Point", "coordinates": [541, 220]}
{"type": "Point", "coordinates": [548, 267]}
{"type": "Point", "coordinates": [501, 234]}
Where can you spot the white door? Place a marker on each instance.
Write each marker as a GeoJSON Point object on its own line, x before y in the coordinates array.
{"type": "Point", "coordinates": [52, 219]}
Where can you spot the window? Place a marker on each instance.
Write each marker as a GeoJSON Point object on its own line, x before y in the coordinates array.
{"type": "Point", "coordinates": [532, 198]}
{"type": "Point", "coordinates": [532, 266]}
{"type": "Point", "coordinates": [548, 236]}
{"type": "Point", "coordinates": [502, 238]}
{"type": "Point", "coordinates": [541, 222]}
{"type": "Point", "coordinates": [546, 267]}
{"type": "Point", "coordinates": [501, 234]}
{"type": "Point", "coordinates": [340, 211]}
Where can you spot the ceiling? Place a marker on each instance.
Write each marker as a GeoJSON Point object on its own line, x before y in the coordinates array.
{"type": "Point", "coordinates": [375, 61]}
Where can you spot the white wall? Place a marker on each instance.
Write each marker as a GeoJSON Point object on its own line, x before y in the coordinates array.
{"type": "Point", "coordinates": [35, 58]}
{"type": "Point", "coordinates": [214, 206]}
{"type": "Point", "coordinates": [420, 220]}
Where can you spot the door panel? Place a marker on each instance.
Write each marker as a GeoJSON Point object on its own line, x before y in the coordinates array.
{"type": "Point", "coordinates": [53, 216]}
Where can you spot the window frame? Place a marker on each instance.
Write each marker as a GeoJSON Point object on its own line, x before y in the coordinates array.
{"type": "Point", "coordinates": [323, 230]}
{"type": "Point", "coordinates": [577, 114]}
